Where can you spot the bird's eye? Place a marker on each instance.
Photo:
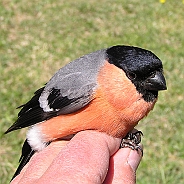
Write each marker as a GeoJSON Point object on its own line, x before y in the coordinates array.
{"type": "Point", "coordinates": [131, 75]}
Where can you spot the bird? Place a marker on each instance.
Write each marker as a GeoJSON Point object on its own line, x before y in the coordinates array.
{"type": "Point", "coordinates": [109, 90]}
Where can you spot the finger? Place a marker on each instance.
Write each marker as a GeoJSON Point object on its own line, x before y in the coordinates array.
{"type": "Point", "coordinates": [85, 158]}
{"type": "Point", "coordinates": [123, 165]}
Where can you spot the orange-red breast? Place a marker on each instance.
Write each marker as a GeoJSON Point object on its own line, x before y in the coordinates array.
{"type": "Point", "coordinates": [109, 90]}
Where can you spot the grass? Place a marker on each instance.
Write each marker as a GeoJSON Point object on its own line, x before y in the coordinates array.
{"type": "Point", "coordinates": [38, 37]}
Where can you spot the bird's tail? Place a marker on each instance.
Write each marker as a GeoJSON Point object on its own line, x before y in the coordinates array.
{"type": "Point", "coordinates": [27, 153]}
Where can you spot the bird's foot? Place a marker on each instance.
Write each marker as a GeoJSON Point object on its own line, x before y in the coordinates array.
{"type": "Point", "coordinates": [132, 140]}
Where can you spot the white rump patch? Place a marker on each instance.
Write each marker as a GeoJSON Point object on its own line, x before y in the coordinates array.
{"type": "Point", "coordinates": [35, 139]}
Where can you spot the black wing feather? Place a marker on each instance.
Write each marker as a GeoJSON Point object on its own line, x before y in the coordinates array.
{"type": "Point", "coordinates": [32, 103]}
{"type": "Point", "coordinates": [55, 99]}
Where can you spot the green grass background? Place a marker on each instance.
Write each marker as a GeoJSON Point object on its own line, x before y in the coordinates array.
{"type": "Point", "coordinates": [38, 37]}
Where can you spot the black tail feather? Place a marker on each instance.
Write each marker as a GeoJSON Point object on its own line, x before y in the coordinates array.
{"type": "Point", "coordinates": [27, 153]}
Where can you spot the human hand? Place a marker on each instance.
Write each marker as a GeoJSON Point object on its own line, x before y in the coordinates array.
{"type": "Point", "coordinates": [89, 157]}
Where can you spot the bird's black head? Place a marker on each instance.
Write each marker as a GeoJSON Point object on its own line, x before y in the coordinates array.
{"type": "Point", "coordinates": [141, 66]}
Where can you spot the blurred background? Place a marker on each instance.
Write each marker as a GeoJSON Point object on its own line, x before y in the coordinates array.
{"type": "Point", "coordinates": [38, 37]}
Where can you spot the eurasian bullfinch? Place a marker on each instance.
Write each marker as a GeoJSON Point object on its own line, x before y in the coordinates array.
{"type": "Point", "coordinates": [109, 91]}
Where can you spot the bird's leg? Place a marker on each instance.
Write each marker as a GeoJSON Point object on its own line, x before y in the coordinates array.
{"type": "Point", "coordinates": [132, 140]}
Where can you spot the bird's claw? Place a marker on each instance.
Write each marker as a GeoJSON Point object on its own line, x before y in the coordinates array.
{"type": "Point", "coordinates": [132, 140]}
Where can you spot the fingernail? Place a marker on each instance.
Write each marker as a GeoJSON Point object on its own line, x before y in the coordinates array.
{"type": "Point", "coordinates": [134, 159]}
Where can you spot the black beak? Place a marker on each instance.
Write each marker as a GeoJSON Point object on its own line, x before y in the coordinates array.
{"type": "Point", "coordinates": [156, 82]}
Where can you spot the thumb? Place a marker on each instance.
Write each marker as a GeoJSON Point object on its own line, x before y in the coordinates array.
{"type": "Point", "coordinates": [123, 166]}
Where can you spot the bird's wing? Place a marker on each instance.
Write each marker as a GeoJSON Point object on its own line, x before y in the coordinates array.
{"type": "Point", "coordinates": [51, 101]}
{"type": "Point", "coordinates": [69, 90]}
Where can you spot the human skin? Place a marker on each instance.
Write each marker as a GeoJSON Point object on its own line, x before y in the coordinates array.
{"type": "Point", "coordinates": [89, 157]}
